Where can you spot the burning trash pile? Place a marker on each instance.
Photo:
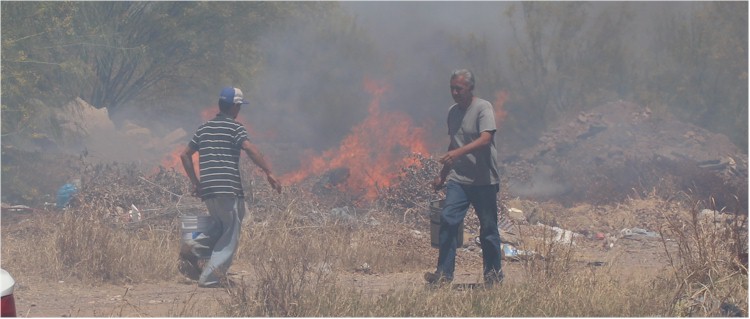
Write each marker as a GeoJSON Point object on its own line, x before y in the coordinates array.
{"type": "Point", "coordinates": [413, 188]}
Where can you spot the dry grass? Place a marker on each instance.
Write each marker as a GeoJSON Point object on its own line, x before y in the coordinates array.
{"type": "Point", "coordinates": [297, 249]}
{"type": "Point", "coordinates": [92, 250]}
{"type": "Point", "coordinates": [709, 273]}
{"type": "Point", "coordinates": [297, 269]}
{"type": "Point", "coordinates": [289, 288]}
{"type": "Point", "coordinates": [70, 245]}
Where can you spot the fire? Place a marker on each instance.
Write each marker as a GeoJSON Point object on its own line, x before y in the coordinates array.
{"type": "Point", "coordinates": [209, 112]}
{"type": "Point", "coordinates": [172, 160]}
{"type": "Point", "coordinates": [500, 113]}
{"type": "Point", "coordinates": [374, 151]}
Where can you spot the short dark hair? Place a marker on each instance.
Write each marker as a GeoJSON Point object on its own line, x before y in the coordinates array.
{"type": "Point", "coordinates": [468, 76]}
{"type": "Point", "coordinates": [225, 106]}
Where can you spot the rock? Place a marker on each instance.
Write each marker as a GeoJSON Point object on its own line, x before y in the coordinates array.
{"type": "Point", "coordinates": [133, 130]}
{"type": "Point", "coordinates": [82, 118]}
{"type": "Point", "coordinates": [516, 214]}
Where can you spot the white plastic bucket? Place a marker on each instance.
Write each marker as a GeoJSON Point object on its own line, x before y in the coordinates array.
{"type": "Point", "coordinates": [192, 224]}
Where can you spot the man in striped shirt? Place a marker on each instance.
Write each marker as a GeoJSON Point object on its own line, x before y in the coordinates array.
{"type": "Point", "coordinates": [219, 143]}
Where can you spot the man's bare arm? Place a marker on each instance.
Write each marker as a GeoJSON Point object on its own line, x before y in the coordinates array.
{"type": "Point", "coordinates": [187, 163]}
{"type": "Point", "coordinates": [485, 138]}
{"type": "Point", "coordinates": [260, 160]}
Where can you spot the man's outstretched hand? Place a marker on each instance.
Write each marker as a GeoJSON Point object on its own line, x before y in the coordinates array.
{"type": "Point", "coordinates": [438, 183]}
{"type": "Point", "coordinates": [274, 183]}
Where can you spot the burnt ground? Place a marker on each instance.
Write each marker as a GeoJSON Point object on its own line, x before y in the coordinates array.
{"type": "Point", "coordinates": [611, 178]}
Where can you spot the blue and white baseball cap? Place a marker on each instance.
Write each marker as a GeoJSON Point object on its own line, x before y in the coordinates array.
{"type": "Point", "coordinates": [232, 95]}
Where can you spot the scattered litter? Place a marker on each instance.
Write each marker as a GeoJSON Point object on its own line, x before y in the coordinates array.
{"type": "Point", "coordinates": [134, 213]}
{"type": "Point", "coordinates": [563, 235]}
{"type": "Point", "coordinates": [635, 232]}
{"type": "Point", "coordinates": [609, 241]}
{"type": "Point", "coordinates": [509, 252]}
{"type": "Point", "coordinates": [416, 234]}
{"type": "Point", "coordinates": [65, 193]}
{"type": "Point", "coordinates": [16, 208]}
{"type": "Point", "coordinates": [718, 164]}
{"type": "Point", "coordinates": [364, 268]}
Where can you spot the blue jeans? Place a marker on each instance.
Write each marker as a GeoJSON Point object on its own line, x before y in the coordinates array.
{"type": "Point", "coordinates": [228, 213]}
{"type": "Point", "coordinates": [484, 200]}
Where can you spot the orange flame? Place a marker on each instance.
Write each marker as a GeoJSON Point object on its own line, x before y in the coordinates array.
{"type": "Point", "coordinates": [209, 112]}
{"type": "Point", "coordinates": [500, 114]}
{"type": "Point", "coordinates": [172, 161]}
{"type": "Point", "coordinates": [374, 151]}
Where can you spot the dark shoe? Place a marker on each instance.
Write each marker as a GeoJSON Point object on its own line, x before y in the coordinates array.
{"type": "Point", "coordinates": [189, 268]}
{"type": "Point", "coordinates": [436, 279]}
{"type": "Point", "coordinates": [490, 280]}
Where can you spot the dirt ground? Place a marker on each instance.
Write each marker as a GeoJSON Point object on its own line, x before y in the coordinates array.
{"type": "Point", "coordinates": [35, 297]}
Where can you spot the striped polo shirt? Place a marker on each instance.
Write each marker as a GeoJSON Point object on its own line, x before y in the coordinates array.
{"type": "Point", "coordinates": [218, 143]}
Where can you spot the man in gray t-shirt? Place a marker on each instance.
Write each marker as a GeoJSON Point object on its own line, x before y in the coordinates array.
{"type": "Point", "coordinates": [470, 169]}
{"type": "Point", "coordinates": [466, 125]}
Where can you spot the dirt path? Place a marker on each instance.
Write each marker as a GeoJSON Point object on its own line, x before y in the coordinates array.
{"type": "Point", "coordinates": [181, 297]}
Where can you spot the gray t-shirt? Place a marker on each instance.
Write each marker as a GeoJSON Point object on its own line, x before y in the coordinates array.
{"type": "Point", "coordinates": [464, 126]}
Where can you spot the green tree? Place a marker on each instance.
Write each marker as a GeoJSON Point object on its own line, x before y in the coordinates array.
{"type": "Point", "coordinates": [31, 66]}
{"type": "Point", "coordinates": [700, 71]}
{"type": "Point", "coordinates": [566, 57]}
{"type": "Point", "coordinates": [113, 53]}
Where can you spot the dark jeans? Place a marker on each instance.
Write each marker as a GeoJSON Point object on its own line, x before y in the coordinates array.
{"type": "Point", "coordinates": [484, 201]}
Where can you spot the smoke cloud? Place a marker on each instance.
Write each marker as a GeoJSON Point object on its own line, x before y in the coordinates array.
{"type": "Point", "coordinates": [309, 93]}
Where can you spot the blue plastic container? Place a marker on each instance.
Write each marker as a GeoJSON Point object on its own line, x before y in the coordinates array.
{"type": "Point", "coordinates": [64, 194]}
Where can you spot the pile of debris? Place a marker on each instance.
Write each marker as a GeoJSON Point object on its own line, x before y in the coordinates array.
{"type": "Point", "coordinates": [620, 150]}
{"type": "Point", "coordinates": [413, 189]}
{"type": "Point", "coordinates": [123, 194]}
